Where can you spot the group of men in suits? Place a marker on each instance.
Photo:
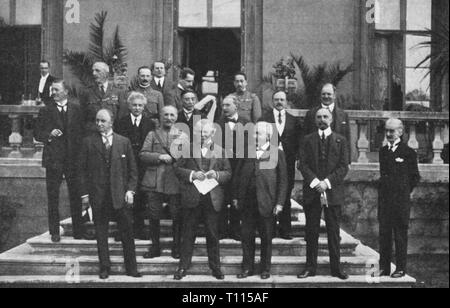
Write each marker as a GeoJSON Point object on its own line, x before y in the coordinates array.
{"type": "Point", "coordinates": [124, 169]}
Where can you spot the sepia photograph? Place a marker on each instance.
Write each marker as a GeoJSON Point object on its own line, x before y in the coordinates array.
{"type": "Point", "coordinates": [224, 149]}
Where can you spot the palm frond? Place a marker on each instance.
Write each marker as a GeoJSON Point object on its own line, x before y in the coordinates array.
{"type": "Point", "coordinates": [97, 34]}
{"type": "Point", "coordinates": [80, 65]}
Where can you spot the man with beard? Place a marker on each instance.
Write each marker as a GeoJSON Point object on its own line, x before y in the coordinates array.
{"type": "Point", "coordinates": [399, 176]}
{"type": "Point", "coordinates": [341, 123]}
{"type": "Point", "coordinates": [108, 184]}
{"type": "Point", "coordinates": [160, 181]}
{"type": "Point", "coordinates": [249, 105]}
{"type": "Point", "coordinates": [155, 100]}
{"type": "Point", "coordinates": [324, 166]}
{"type": "Point", "coordinates": [102, 95]}
{"type": "Point", "coordinates": [289, 134]}
{"type": "Point", "coordinates": [209, 165]}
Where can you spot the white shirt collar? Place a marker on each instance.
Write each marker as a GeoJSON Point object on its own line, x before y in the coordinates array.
{"type": "Point", "coordinates": [108, 134]}
{"type": "Point", "coordinates": [45, 77]}
{"type": "Point", "coordinates": [180, 87]}
{"type": "Point", "coordinates": [327, 132]}
{"type": "Point", "coordinates": [138, 118]}
{"type": "Point", "coordinates": [331, 107]}
{"type": "Point", "coordinates": [394, 146]}
{"type": "Point", "coordinates": [235, 117]}
{"type": "Point", "coordinates": [61, 104]}
{"type": "Point", "coordinates": [276, 112]}
{"type": "Point", "coordinates": [188, 112]}
{"type": "Point", "coordinates": [105, 85]}
{"type": "Point", "coordinates": [159, 79]}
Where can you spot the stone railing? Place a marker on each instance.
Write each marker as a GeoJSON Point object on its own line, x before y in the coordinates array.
{"type": "Point", "coordinates": [21, 143]}
{"type": "Point", "coordinates": [364, 123]}
{"type": "Point", "coordinates": [363, 127]}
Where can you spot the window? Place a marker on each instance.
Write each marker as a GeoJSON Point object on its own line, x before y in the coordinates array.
{"type": "Point", "coordinates": [25, 12]}
{"type": "Point", "coordinates": [209, 13]}
{"type": "Point", "coordinates": [400, 26]}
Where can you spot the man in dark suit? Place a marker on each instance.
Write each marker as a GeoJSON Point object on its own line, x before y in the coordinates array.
{"type": "Point", "coordinates": [44, 93]}
{"type": "Point", "coordinates": [108, 183]}
{"type": "Point", "coordinates": [399, 176]}
{"type": "Point", "coordinates": [189, 113]}
{"type": "Point", "coordinates": [102, 95]}
{"type": "Point", "coordinates": [59, 127]}
{"type": "Point", "coordinates": [209, 165]}
{"type": "Point", "coordinates": [341, 123]}
{"type": "Point", "coordinates": [230, 220]}
{"type": "Point", "coordinates": [136, 126]}
{"type": "Point", "coordinates": [160, 82]}
{"type": "Point", "coordinates": [324, 165]}
{"type": "Point", "coordinates": [160, 182]}
{"type": "Point", "coordinates": [289, 134]}
{"type": "Point", "coordinates": [259, 192]}
{"type": "Point", "coordinates": [186, 82]}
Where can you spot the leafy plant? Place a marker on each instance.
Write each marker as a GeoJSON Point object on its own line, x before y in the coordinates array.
{"type": "Point", "coordinates": [439, 44]}
{"type": "Point", "coordinates": [113, 53]}
{"type": "Point", "coordinates": [284, 69]}
{"type": "Point", "coordinates": [314, 77]}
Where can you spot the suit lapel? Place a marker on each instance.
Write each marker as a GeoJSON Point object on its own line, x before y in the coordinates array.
{"type": "Point", "coordinates": [56, 115]}
{"type": "Point", "coordinates": [315, 148]}
{"type": "Point", "coordinates": [115, 153]}
{"type": "Point", "coordinates": [98, 144]}
{"type": "Point", "coordinates": [69, 113]}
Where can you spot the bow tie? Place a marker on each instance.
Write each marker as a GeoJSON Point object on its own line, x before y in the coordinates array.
{"type": "Point", "coordinates": [228, 120]}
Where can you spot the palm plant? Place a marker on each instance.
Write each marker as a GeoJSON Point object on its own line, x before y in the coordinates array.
{"type": "Point", "coordinates": [113, 53]}
{"type": "Point", "coordinates": [439, 44]}
{"type": "Point", "coordinates": [314, 78]}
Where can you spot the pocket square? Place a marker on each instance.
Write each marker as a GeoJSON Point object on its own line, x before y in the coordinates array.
{"type": "Point", "coordinates": [124, 156]}
{"type": "Point", "coordinates": [400, 160]}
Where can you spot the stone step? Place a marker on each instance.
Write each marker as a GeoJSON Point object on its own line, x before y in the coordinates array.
{"type": "Point", "coordinates": [14, 265]}
{"type": "Point", "coordinates": [201, 281]}
{"type": "Point", "coordinates": [298, 227]}
{"type": "Point", "coordinates": [70, 247]}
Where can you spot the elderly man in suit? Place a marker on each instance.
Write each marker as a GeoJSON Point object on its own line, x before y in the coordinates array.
{"type": "Point", "coordinates": [289, 134]}
{"type": "Point", "coordinates": [249, 106]}
{"type": "Point", "coordinates": [136, 126]}
{"type": "Point", "coordinates": [46, 80]}
{"type": "Point", "coordinates": [108, 184]}
{"type": "Point", "coordinates": [155, 100]}
{"type": "Point", "coordinates": [341, 123]}
{"type": "Point", "coordinates": [324, 165]}
{"type": "Point", "coordinates": [230, 220]}
{"type": "Point", "coordinates": [259, 192]}
{"type": "Point", "coordinates": [207, 165]}
{"type": "Point", "coordinates": [59, 127]}
{"type": "Point", "coordinates": [160, 181]}
{"type": "Point", "coordinates": [399, 176]}
{"type": "Point", "coordinates": [102, 95]}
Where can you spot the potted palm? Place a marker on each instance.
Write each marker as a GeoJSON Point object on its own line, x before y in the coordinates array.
{"type": "Point", "coordinates": [285, 75]}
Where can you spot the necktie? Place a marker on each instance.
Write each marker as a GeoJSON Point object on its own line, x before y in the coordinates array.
{"type": "Point", "coordinates": [102, 89]}
{"type": "Point", "coordinates": [159, 84]}
{"type": "Point", "coordinates": [323, 137]}
{"type": "Point", "coordinates": [135, 122]}
{"type": "Point", "coordinates": [106, 143]}
{"type": "Point", "coordinates": [280, 119]}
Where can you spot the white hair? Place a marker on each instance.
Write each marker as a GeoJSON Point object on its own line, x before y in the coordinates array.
{"type": "Point", "coordinates": [136, 96]}
{"type": "Point", "coordinates": [102, 65]}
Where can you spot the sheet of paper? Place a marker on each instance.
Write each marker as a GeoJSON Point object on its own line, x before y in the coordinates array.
{"type": "Point", "coordinates": [206, 186]}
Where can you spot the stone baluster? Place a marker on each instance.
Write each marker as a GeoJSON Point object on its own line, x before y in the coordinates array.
{"type": "Point", "coordinates": [412, 142]}
{"type": "Point", "coordinates": [438, 144]}
{"type": "Point", "coordinates": [353, 140]}
{"type": "Point", "coordinates": [39, 148]}
{"type": "Point", "coordinates": [363, 142]}
{"type": "Point", "coordinates": [15, 139]}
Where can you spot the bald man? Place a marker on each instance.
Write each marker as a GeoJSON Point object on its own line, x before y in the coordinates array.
{"type": "Point", "coordinates": [108, 184]}
{"type": "Point", "coordinates": [324, 166]}
{"type": "Point", "coordinates": [399, 175]}
{"type": "Point", "coordinates": [103, 94]}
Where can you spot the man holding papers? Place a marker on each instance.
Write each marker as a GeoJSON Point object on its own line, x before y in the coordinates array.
{"type": "Point", "coordinates": [324, 165]}
{"type": "Point", "coordinates": [202, 178]}
{"type": "Point", "coordinates": [260, 186]}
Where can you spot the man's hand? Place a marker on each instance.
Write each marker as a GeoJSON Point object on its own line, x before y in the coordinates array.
{"type": "Point", "coordinates": [211, 175]}
{"type": "Point", "coordinates": [277, 210]}
{"type": "Point", "coordinates": [129, 198]}
{"type": "Point", "coordinates": [321, 188]}
{"type": "Point", "coordinates": [85, 203]}
{"type": "Point", "coordinates": [165, 158]}
{"type": "Point", "coordinates": [56, 133]}
{"type": "Point", "coordinates": [235, 204]}
{"type": "Point", "coordinates": [199, 176]}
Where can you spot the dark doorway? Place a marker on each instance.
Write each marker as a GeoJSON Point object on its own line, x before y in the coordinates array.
{"type": "Point", "coordinates": [217, 50]}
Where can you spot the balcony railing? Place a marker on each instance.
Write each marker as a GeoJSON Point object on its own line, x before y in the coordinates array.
{"type": "Point", "coordinates": [365, 141]}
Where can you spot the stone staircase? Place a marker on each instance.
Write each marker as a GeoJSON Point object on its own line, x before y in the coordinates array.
{"type": "Point", "coordinates": [74, 263]}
